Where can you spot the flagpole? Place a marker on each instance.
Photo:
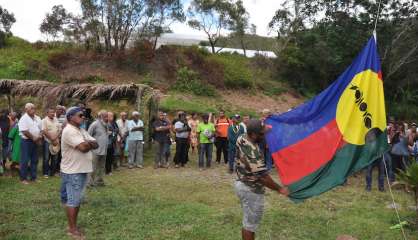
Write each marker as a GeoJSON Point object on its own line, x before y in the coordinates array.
{"type": "Point", "coordinates": [377, 18]}
{"type": "Point", "coordinates": [393, 198]}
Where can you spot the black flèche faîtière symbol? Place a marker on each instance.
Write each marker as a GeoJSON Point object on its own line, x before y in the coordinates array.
{"type": "Point", "coordinates": [367, 117]}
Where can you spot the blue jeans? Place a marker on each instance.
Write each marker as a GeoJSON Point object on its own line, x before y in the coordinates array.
{"type": "Point", "coordinates": [72, 188]}
{"type": "Point", "coordinates": [49, 164]}
{"type": "Point", "coordinates": [29, 155]}
{"type": "Point", "coordinates": [205, 150]}
{"type": "Point", "coordinates": [269, 159]}
{"type": "Point", "coordinates": [381, 174]}
{"type": "Point", "coordinates": [231, 156]}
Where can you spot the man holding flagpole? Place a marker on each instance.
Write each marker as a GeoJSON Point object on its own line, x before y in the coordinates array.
{"type": "Point", "coordinates": [252, 178]}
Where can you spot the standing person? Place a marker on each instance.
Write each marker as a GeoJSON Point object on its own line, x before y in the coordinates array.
{"type": "Point", "coordinates": [123, 134]}
{"type": "Point", "coordinates": [193, 122]}
{"type": "Point", "coordinates": [136, 141]}
{"type": "Point", "coordinates": [51, 130]}
{"type": "Point", "coordinates": [263, 144]}
{"type": "Point", "coordinates": [206, 135]}
{"type": "Point", "coordinates": [30, 133]}
{"type": "Point", "coordinates": [60, 115]}
{"type": "Point", "coordinates": [162, 128]}
{"type": "Point", "coordinates": [15, 144]}
{"type": "Point", "coordinates": [400, 151]}
{"type": "Point", "coordinates": [380, 178]}
{"type": "Point", "coordinates": [99, 131]}
{"type": "Point", "coordinates": [88, 118]}
{"type": "Point", "coordinates": [221, 125]}
{"type": "Point", "coordinates": [244, 123]}
{"type": "Point", "coordinates": [182, 130]}
{"type": "Point", "coordinates": [4, 129]}
{"type": "Point", "coordinates": [252, 178]}
{"type": "Point", "coordinates": [76, 146]}
{"type": "Point", "coordinates": [113, 131]}
{"type": "Point", "coordinates": [234, 131]}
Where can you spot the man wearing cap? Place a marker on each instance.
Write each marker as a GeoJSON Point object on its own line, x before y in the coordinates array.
{"type": "Point", "coordinates": [135, 141]}
{"type": "Point", "coordinates": [76, 146]}
{"type": "Point", "coordinates": [51, 131]}
{"type": "Point", "coordinates": [30, 132]}
{"type": "Point", "coordinates": [234, 131]}
{"type": "Point", "coordinates": [252, 178]}
{"type": "Point", "coordinates": [99, 131]}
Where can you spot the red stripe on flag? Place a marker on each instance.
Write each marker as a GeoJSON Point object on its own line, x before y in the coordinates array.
{"type": "Point", "coordinates": [308, 155]}
{"type": "Point", "coordinates": [379, 74]}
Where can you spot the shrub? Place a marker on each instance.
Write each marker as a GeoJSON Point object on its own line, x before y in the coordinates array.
{"type": "Point", "coordinates": [188, 81]}
{"type": "Point", "coordinates": [237, 73]}
{"type": "Point", "coordinates": [59, 59]}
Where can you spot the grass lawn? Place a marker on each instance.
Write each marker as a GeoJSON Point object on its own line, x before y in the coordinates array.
{"type": "Point", "coordinates": [189, 204]}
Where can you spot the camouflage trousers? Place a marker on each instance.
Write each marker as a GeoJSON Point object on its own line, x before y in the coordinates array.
{"type": "Point", "coordinates": [252, 205]}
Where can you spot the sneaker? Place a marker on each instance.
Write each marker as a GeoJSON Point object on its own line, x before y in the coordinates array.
{"type": "Point", "coordinates": [130, 166]}
{"type": "Point", "coordinates": [140, 166]}
{"type": "Point", "coordinates": [46, 176]}
{"type": "Point", "coordinates": [25, 182]}
{"type": "Point", "coordinates": [176, 166]}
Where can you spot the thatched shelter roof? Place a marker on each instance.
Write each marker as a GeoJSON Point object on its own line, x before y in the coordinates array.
{"type": "Point", "coordinates": [59, 92]}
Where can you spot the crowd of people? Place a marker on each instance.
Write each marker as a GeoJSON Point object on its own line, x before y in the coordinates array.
{"type": "Point", "coordinates": [26, 137]}
{"type": "Point", "coordinates": [403, 141]}
{"type": "Point", "coordinates": [81, 149]}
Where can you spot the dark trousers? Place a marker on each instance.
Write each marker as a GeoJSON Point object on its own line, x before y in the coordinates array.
{"type": "Point", "coordinates": [381, 174]}
{"type": "Point", "coordinates": [221, 147]}
{"type": "Point", "coordinates": [232, 149]}
{"type": "Point", "coordinates": [109, 159]}
{"type": "Point", "coordinates": [205, 150]}
{"type": "Point", "coordinates": [398, 163]}
{"type": "Point", "coordinates": [181, 156]}
{"type": "Point", "coordinates": [49, 163]}
{"type": "Point", "coordinates": [29, 155]}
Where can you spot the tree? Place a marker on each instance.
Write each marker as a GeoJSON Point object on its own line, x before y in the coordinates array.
{"type": "Point", "coordinates": [240, 23]}
{"type": "Point", "coordinates": [54, 23]}
{"type": "Point", "coordinates": [165, 12]}
{"type": "Point", "coordinates": [7, 19]}
{"type": "Point", "coordinates": [211, 17]}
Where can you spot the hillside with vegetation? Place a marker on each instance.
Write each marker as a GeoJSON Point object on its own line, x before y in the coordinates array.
{"type": "Point", "coordinates": [314, 43]}
{"type": "Point", "coordinates": [189, 78]}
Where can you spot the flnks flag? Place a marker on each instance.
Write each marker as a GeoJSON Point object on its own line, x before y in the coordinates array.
{"type": "Point", "coordinates": [317, 145]}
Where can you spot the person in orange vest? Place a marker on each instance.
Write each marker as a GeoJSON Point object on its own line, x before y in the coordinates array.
{"type": "Point", "coordinates": [221, 142]}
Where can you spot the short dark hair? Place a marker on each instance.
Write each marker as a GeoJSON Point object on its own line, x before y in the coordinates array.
{"type": "Point", "coordinates": [255, 126]}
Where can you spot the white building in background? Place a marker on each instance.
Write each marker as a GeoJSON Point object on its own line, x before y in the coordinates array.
{"type": "Point", "coordinates": [249, 53]}
{"type": "Point", "coordinates": [190, 40]}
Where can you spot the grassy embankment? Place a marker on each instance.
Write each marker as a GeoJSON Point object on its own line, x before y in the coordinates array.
{"type": "Point", "coordinates": [188, 204]}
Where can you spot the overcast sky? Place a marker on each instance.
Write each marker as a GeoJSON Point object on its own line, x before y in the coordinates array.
{"type": "Point", "coordinates": [29, 15]}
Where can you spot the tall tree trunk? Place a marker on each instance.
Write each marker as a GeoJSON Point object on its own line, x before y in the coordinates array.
{"type": "Point", "coordinates": [155, 43]}
{"type": "Point", "coordinates": [212, 45]}
{"type": "Point", "coordinates": [243, 47]}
